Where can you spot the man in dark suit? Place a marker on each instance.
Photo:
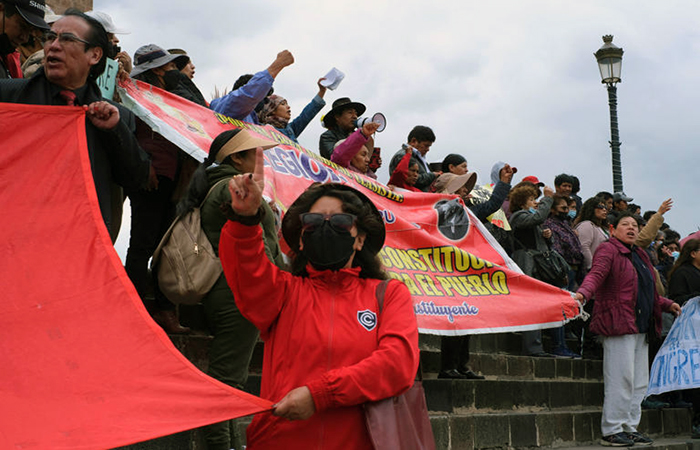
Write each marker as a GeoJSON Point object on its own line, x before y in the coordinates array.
{"type": "Point", "coordinates": [76, 49]}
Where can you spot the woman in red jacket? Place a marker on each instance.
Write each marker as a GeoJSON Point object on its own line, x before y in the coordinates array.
{"type": "Point", "coordinates": [328, 348]}
{"type": "Point", "coordinates": [627, 308]}
{"type": "Point", "coordinates": [406, 173]}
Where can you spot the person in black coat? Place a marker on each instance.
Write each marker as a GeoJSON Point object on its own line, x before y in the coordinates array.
{"type": "Point", "coordinates": [684, 277]}
{"type": "Point", "coordinates": [153, 206]}
{"type": "Point", "coordinates": [75, 56]}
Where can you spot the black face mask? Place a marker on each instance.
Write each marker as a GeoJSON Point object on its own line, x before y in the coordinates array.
{"type": "Point", "coordinates": [327, 248]}
{"type": "Point", "coordinates": [112, 50]}
{"type": "Point", "coordinates": [563, 216]}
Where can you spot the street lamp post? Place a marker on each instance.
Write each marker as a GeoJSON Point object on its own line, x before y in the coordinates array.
{"type": "Point", "coordinates": [609, 58]}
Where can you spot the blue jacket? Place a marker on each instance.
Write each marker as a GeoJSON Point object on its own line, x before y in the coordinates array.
{"type": "Point", "coordinates": [240, 104]}
{"type": "Point", "coordinates": [483, 210]}
{"type": "Point", "coordinates": [296, 126]}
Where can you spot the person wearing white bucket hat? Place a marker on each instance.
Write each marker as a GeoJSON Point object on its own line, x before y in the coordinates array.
{"type": "Point", "coordinates": [123, 58]}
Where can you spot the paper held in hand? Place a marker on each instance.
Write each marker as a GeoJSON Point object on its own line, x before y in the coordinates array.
{"type": "Point", "coordinates": [333, 79]}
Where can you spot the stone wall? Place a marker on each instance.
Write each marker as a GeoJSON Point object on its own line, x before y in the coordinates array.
{"type": "Point", "coordinates": [61, 5]}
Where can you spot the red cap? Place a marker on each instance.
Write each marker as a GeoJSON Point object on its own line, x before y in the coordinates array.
{"type": "Point", "coordinates": [534, 180]}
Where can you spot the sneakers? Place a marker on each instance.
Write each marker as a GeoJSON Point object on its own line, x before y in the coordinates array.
{"type": "Point", "coordinates": [696, 432]}
{"type": "Point", "coordinates": [453, 374]}
{"type": "Point", "coordinates": [457, 374]}
{"type": "Point", "coordinates": [653, 404]}
{"type": "Point", "coordinates": [682, 404]}
{"type": "Point", "coordinates": [565, 353]}
{"type": "Point", "coordinates": [541, 355]}
{"type": "Point", "coordinates": [639, 439]}
{"type": "Point", "coordinates": [471, 375]}
{"type": "Point", "coordinates": [617, 440]}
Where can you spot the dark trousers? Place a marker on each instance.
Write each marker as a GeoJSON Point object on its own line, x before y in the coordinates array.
{"type": "Point", "coordinates": [230, 353]}
{"type": "Point", "coordinates": [532, 342]}
{"type": "Point", "coordinates": [152, 212]}
{"type": "Point", "coordinates": [454, 353]}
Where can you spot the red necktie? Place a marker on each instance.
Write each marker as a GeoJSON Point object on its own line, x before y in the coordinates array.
{"type": "Point", "coordinates": [68, 97]}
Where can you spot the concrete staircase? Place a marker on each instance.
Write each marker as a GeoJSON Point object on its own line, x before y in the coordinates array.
{"type": "Point", "coordinates": [524, 402]}
{"type": "Point", "coordinates": [527, 402]}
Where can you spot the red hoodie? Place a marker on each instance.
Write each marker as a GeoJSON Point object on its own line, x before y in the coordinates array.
{"type": "Point", "coordinates": [314, 337]}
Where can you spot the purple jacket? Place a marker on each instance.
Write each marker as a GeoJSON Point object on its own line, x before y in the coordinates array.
{"type": "Point", "coordinates": [613, 280]}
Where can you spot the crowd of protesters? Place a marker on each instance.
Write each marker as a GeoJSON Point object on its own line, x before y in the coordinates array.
{"type": "Point", "coordinates": [56, 60]}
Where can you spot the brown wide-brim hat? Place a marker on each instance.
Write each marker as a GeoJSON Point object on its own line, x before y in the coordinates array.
{"type": "Point", "coordinates": [242, 141]}
{"type": "Point", "coordinates": [339, 105]}
{"type": "Point", "coordinates": [291, 222]}
{"type": "Point", "coordinates": [450, 182]}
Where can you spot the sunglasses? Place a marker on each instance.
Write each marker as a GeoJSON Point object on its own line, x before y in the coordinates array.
{"type": "Point", "coordinates": [339, 222]}
{"type": "Point", "coordinates": [601, 207]}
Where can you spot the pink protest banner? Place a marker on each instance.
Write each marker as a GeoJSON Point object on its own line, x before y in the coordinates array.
{"type": "Point", "coordinates": [461, 281]}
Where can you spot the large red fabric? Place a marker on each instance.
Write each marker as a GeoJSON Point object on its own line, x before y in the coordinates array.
{"type": "Point", "coordinates": [83, 365]}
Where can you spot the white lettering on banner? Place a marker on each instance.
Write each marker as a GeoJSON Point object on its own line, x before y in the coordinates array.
{"type": "Point", "coordinates": [677, 364]}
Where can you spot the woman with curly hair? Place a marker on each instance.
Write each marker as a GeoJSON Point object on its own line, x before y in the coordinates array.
{"type": "Point", "coordinates": [527, 220]}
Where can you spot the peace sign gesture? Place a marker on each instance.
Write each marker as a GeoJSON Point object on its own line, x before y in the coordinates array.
{"type": "Point", "coordinates": [246, 190]}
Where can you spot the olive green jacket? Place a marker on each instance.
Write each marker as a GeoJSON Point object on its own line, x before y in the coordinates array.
{"type": "Point", "coordinates": [213, 219]}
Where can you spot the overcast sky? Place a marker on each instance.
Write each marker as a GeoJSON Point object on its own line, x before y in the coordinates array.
{"type": "Point", "coordinates": [499, 80]}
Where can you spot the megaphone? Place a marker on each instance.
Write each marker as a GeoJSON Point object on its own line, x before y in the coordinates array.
{"type": "Point", "coordinates": [377, 118]}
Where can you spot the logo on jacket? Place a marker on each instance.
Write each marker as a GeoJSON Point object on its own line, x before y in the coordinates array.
{"type": "Point", "coordinates": [367, 319]}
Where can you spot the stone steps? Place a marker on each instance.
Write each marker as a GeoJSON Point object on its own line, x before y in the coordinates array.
{"type": "Point", "coordinates": [453, 396]}
{"type": "Point", "coordinates": [677, 443]}
{"type": "Point", "coordinates": [504, 366]}
{"type": "Point", "coordinates": [544, 429]}
{"type": "Point", "coordinates": [490, 364]}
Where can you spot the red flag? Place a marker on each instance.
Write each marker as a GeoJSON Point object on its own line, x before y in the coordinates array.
{"type": "Point", "coordinates": [83, 365]}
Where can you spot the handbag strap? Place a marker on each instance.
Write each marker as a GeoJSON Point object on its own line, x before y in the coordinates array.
{"type": "Point", "coordinates": [169, 231]}
{"type": "Point", "coordinates": [225, 180]}
{"type": "Point", "coordinates": [379, 293]}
